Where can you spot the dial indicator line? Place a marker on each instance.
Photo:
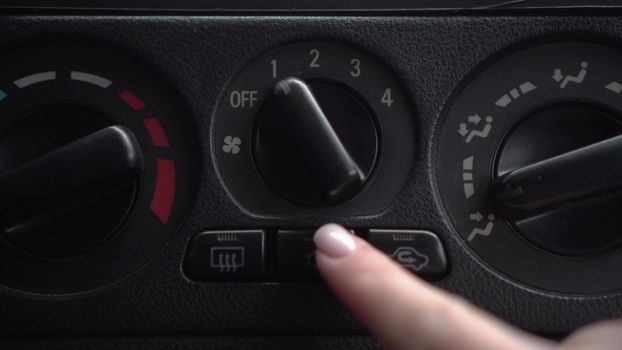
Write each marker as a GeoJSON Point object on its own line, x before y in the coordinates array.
{"type": "Point", "coordinates": [131, 100]}
{"type": "Point", "coordinates": [467, 177]}
{"type": "Point", "coordinates": [164, 195]}
{"type": "Point", "coordinates": [90, 78]}
{"type": "Point", "coordinates": [614, 86]}
{"type": "Point", "coordinates": [156, 132]}
{"type": "Point", "coordinates": [515, 94]}
{"type": "Point", "coordinates": [35, 79]}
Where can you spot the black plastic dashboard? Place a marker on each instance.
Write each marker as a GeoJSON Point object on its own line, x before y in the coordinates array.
{"type": "Point", "coordinates": [185, 66]}
{"type": "Point", "coordinates": [362, 6]}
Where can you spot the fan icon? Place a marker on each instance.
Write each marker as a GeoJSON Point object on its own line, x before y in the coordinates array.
{"type": "Point", "coordinates": [232, 145]}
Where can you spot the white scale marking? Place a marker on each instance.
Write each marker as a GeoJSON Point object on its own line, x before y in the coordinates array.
{"type": "Point", "coordinates": [514, 94]}
{"type": "Point", "coordinates": [34, 79]}
{"type": "Point", "coordinates": [90, 78]}
{"type": "Point", "coordinates": [467, 177]}
{"type": "Point", "coordinates": [614, 86]}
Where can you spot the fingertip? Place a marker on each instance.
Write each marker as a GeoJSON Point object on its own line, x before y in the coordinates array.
{"type": "Point", "coordinates": [403, 311]}
{"type": "Point", "coordinates": [334, 241]}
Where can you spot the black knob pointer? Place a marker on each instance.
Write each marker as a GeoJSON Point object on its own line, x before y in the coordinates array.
{"type": "Point", "coordinates": [68, 180]}
{"type": "Point", "coordinates": [559, 179]}
{"type": "Point", "coordinates": [328, 161]}
{"type": "Point", "coordinates": [315, 143]}
{"type": "Point", "coordinates": [109, 155]}
{"type": "Point", "coordinates": [588, 171]}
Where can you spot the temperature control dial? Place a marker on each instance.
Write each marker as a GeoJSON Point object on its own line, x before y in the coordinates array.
{"type": "Point", "coordinates": [314, 127]}
{"type": "Point", "coordinates": [529, 166]}
{"type": "Point", "coordinates": [79, 172]}
{"type": "Point", "coordinates": [95, 168]}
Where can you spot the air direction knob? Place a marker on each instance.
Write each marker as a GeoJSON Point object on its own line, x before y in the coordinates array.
{"type": "Point", "coordinates": [560, 179]}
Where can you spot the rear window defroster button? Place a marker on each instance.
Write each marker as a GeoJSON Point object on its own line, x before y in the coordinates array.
{"type": "Point", "coordinates": [226, 255]}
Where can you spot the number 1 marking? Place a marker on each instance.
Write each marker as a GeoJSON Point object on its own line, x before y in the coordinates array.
{"type": "Point", "coordinates": [273, 63]}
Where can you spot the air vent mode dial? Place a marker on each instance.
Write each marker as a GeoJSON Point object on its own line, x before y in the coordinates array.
{"type": "Point", "coordinates": [528, 166]}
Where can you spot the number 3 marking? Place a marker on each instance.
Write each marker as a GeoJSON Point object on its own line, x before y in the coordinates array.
{"type": "Point", "coordinates": [356, 67]}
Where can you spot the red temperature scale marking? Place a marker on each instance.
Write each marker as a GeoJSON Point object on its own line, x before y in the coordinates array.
{"type": "Point", "coordinates": [131, 100]}
{"type": "Point", "coordinates": [156, 132]}
{"type": "Point", "coordinates": [164, 194]}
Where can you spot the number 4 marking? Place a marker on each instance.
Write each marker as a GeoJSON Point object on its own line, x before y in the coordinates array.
{"type": "Point", "coordinates": [386, 97]}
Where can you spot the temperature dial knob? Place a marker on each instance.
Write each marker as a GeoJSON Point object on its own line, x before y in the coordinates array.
{"type": "Point", "coordinates": [87, 171]}
{"type": "Point", "coordinates": [315, 144]}
{"type": "Point", "coordinates": [96, 168]}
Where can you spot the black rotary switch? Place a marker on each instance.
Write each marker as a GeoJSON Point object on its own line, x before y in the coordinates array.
{"type": "Point", "coordinates": [560, 179]}
{"type": "Point", "coordinates": [314, 143]}
{"type": "Point", "coordinates": [96, 168]}
{"type": "Point", "coordinates": [65, 171]}
{"type": "Point", "coordinates": [529, 166]}
{"type": "Point", "coordinates": [314, 128]}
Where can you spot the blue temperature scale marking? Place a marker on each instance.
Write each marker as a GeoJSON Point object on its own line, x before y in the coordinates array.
{"type": "Point", "coordinates": [2, 95]}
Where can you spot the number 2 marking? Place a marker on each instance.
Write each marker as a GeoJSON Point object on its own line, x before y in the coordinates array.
{"type": "Point", "coordinates": [316, 56]}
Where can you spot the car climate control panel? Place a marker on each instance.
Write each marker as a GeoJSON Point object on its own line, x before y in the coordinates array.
{"type": "Point", "coordinates": [168, 171]}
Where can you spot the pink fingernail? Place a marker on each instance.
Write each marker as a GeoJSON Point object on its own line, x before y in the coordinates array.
{"type": "Point", "coordinates": [333, 240]}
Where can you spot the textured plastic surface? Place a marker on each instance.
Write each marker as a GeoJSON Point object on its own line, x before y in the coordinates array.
{"type": "Point", "coordinates": [199, 55]}
{"type": "Point", "coordinates": [307, 5]}
{"type": "Point", "coordinates": [195, 343]}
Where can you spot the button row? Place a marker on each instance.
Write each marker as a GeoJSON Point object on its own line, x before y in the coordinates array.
{"type": "Point", "coordinates": [251, 255]}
